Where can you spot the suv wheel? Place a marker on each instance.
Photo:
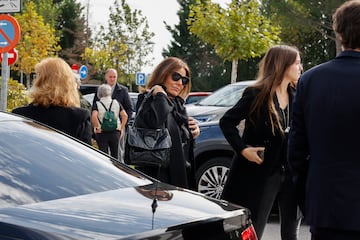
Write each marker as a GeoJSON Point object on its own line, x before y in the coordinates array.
{"type": "Point", "coordinates": [211, 176]}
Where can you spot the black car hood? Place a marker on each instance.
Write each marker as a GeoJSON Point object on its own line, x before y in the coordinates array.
{"type": "Point", "coordinates": [116, 214]}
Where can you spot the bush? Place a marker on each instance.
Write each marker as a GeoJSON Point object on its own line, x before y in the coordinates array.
{"type": "Point", "coordinates": [16, 95]}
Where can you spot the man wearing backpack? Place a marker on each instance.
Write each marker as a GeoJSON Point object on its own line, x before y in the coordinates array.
{"type": "Point", "coordinates": [109, 120]}
{"type": "Point", "coordinates": [118, 92]}
{"type": "Point", "coordinates": [121, 94]}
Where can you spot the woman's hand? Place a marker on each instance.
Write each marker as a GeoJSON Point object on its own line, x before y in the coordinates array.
{"type": "Point", "coordinates": [195, 130]}
{"type": "Point", "coordinates": [251, 154]}
{"type": "Point", "coordinates": [156, 89]}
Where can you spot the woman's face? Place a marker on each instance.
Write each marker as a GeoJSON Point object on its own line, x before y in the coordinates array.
{"type": "Point", "coordinates": [294, 71]}
{"type": "Point", "coordinates": [175, 82]}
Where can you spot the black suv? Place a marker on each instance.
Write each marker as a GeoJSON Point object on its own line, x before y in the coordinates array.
{"type": "Point", "coordinates": [213, 154]}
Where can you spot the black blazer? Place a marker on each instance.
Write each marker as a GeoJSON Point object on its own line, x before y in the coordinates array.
{"type": "Point", "coordinates": [121, 94]}
{"type": "Point", "coordinates": [70, 120]}
{"type": "Point", "coordinates": [324, 142]}
{"type": "Point", "coordinates": [246, 179]}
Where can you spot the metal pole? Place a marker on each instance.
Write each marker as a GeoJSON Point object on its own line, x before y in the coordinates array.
{"type": "Point", "coordinates": [4, 81]}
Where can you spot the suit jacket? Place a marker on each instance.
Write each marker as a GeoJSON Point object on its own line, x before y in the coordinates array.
{"type": "Point", "coordinates": [246, 179]}
{"type": "Point", "coordinates": [323, 142]}
{"type": "Point", "coordinates": [121, 94]}
{"type": "Point", "coordinates": [70, 120]}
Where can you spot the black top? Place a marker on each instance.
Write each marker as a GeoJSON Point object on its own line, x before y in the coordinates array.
{"type": "Point", "coordinates": [246, 175]}
{"type": "Point", "coordinates": [159, 111]}
{"type": "Point", "coordinates": [70, 120]}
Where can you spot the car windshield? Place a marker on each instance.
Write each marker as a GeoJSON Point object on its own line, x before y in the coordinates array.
{"type": "Point", "coordinates": [226, 96]}
{"type": "Point", "coordinates": [39, 164]}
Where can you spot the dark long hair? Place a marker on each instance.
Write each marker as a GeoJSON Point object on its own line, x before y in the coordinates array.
{"type": "Point", "coordinates": [272, 69]}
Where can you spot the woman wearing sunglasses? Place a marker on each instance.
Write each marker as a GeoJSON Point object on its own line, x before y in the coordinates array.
{"type": "Point", "coordinates": [170, 84]}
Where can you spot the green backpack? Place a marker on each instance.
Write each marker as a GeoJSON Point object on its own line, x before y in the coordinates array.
{"type": "Point", "coordinates": [109, 122]}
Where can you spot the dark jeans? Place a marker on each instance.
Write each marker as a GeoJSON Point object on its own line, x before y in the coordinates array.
{"type": "Point", "coordinates": [333, 234]}
{"type": "Point", "coordinates": [108, 140]}
{"type": "Point", "coordinates": [279, 185]}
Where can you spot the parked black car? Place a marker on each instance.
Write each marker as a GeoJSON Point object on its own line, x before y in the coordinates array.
{"type": "Point", "coordinates": [56, 187]}
{"type": "Point", "coordinates": [213, 154]}
{"type": "Point", "coordinates": [88, 88]}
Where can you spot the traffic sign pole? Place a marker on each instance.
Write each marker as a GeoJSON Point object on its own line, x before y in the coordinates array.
{"type": "Point", "coordinates": [4, 82]}
{"type": "Point", "coordinates": [9, 37]}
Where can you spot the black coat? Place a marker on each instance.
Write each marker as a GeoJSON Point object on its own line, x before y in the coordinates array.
{"type": "Point", "coordinates": [121, 94]}
{"type": "Point", "coordinates": [324, 142]}
{"type": "Point", "coordinates": [159, 111]}
{"type": "Point", "coordinates": [70, 120]}
{"type": "Point", "coordinates": [246, 179]}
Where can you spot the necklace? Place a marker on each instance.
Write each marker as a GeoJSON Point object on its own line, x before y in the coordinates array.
{"type": "Point", "coordinates": [286, 118]}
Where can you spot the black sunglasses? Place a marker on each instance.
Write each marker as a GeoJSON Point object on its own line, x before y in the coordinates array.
{"type": "Point", "coordinates": [177, 76]}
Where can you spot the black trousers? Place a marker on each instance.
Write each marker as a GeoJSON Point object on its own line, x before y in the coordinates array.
{"type": "Point", "coordinates": [109, 140]}
{"type": "Point", "coordinates": [279, 186]}
{"type": "Point", "coordinates": [333, 234]}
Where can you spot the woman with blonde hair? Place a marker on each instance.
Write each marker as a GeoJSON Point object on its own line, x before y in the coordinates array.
{"type": "Point", "coordinates": [55, 100]}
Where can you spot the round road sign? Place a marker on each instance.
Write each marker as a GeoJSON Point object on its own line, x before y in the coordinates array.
{"type": "Point", "coordinates": [12, 56]}
{"type": "Point", "coordinates": [75, 68]}
{"type": "Point", "coordinates": [9, 32]}
{"type": "Point", "coordinates": [83, 71]}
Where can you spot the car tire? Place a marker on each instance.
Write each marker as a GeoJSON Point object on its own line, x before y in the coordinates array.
{"type": "Point", "coordinates": [211, 176]}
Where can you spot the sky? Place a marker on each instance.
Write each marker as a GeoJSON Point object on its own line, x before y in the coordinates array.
{"type": "Point", "coordinates": [156, 12]}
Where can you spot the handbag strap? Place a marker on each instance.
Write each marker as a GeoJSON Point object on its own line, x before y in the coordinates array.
{"type": "Point", "coordinates": [147, 96]}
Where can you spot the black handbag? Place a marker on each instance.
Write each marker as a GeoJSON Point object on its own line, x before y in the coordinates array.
{"type": "Point", "coordinates": [146, 146]}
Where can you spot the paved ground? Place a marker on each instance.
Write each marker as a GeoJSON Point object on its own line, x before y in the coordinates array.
{"type": "Point", "coordinates": [272, 231]}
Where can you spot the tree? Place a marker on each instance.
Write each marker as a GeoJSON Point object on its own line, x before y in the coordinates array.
{"type": "Point", "coordinates": [237, 33]}
{"type": "Point", "coordinates": [208, 70]}
{"type": "Point", "coordinates": [74, 34]}
{"type": "Point", "coordinates": [48, 9]}
{"type": "Point", "coordinates": [124, 44]}
{"type": "Point", "coordinates": [38, 40]}
{"type": "Point", "coordinates": [306, 24]}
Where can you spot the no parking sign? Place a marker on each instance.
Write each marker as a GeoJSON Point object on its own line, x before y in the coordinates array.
{"type": "Point", "coordinates": [9, 32]}
{"type": "Point", "coordinates": [140, 79]}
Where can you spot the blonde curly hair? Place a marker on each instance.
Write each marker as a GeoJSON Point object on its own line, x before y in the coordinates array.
{"type": "Point", "coordinates": [54, 84]}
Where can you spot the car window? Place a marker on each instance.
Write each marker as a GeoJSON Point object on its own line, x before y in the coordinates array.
{"type": "Point", "coordinates": [194, 99]}
{"type": "Point", "coordinates": [38, 164]}
{"type": "Point", "coordinates": [225, 97]}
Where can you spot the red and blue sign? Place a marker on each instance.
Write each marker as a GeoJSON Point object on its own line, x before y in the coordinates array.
{"type": "Point", "coordinates": [9, 32]}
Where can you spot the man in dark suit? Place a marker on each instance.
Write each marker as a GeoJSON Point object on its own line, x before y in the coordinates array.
{"type": "Point", "coordinates": [323, 145]}
{"type": "Point", "coordinates": [121, 94]}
